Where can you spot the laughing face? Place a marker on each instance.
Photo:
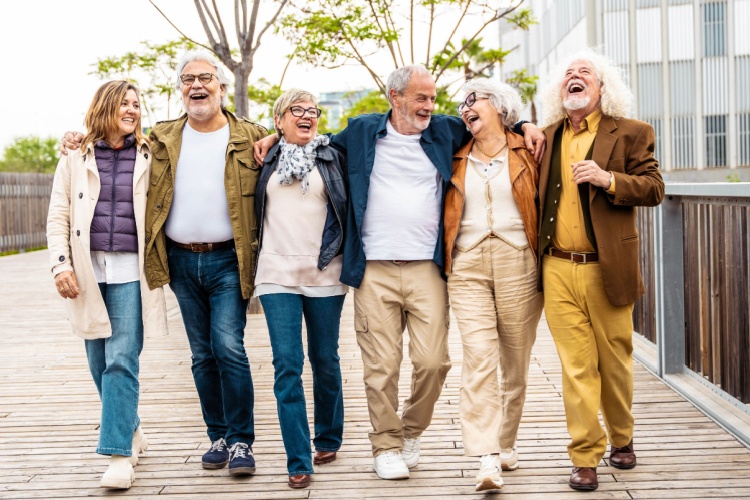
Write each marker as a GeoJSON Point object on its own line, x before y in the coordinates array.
{"type": "Point", "coordinates": [298, 130]}
{"type": "Point", "coordinates": [482, 118]}
{"type": "Point", "coordinates": [581, 89]}
{"type": "Point", "coordinates": [128, 115]}
{"type": "Point", "coordinates": [202, 101]}
{"type": "Point", "coordinates": [413, 109]}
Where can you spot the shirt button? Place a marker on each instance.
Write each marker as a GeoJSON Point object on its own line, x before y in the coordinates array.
{"type": "Point", "coordinates": [80, 195]}
{"type": "Point", "coordinates": [549, 237]}
{"type": "Point", "coordinates": [552, 219]}
{"type": "Point", "coordinates": [145, 155]}
{"type": "Point", "coordinates": [485, 181]}
{"type": "Point", "coordinates": [62, 258]}
{"type": "Point", "coordinates": [158, 205]}
{"type": "Point", "coordinates": [555, 202]}
{"type": "Point", "coordinates": [78, 233]}
{"type": "Point", "coordinates": [558, 186]}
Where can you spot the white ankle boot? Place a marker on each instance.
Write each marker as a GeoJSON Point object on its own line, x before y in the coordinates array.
{"type": "Point", "coordinates": [140, 444]}
{"type": "Point", "coordinates": [119, 475]}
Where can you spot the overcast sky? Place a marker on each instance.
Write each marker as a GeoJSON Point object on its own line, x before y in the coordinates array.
{"type": "Point", "coordinates": [52, 45]}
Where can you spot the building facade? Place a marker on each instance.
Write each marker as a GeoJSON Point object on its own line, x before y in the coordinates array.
{"type": "Point", "coordinates": [687, 62]}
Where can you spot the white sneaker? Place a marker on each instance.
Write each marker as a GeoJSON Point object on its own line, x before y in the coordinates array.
{"type": "Point", "coordinates": [390, 465]}
{"type": "Point", "coordinates": [140, 444]}
{"type": "Point", "coordinates": [410, 453]}
{"type": "Point", "coordinates": [119, 475]}
{"type": "Point", "coordinates": [489, 473]}
{"type": "Point", "coordinates": [509, 458]}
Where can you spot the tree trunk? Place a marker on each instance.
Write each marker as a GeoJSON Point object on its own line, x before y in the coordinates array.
{"type": "Point", "coordinates": [241, 104]}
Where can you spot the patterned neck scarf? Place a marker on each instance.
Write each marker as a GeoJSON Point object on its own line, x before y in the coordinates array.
{"type": "Point", "coordinates": [296, 162]}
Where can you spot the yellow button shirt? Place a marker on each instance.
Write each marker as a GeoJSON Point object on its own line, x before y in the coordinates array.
{"type": "Point", "coordinates": [570, 229]}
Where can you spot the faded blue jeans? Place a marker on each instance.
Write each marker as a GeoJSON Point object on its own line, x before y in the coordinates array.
{"type": "Point", "coordinates": [207, 286]}
{"type": "Point", "coordinates": [114, 365]}
{"type": "Point", "coordinates": [284, 313]}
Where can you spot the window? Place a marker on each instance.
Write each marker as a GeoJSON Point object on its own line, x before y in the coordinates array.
{"type": "Point", "coordinates": [683, 142]}
{"type": "Point", "coordinates": [716, 140]}
{"type": "Point", "coordinates": [743, 145]}
{"type": "Point", "coordinates": [714, 29]}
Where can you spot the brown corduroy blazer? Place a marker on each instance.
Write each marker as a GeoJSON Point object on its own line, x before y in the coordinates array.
{"type": "Point", "coordinates": [626, 148]}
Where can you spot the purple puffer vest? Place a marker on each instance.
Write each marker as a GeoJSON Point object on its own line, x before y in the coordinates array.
{"type": "Point", "coordinates": [113, 226]}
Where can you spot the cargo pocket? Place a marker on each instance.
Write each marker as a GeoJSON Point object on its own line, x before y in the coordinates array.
{"type": "Point", "coordinates": [364, 339]}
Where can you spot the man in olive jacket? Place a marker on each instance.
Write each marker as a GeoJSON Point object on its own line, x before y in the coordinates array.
{"type": "Point", "coordinates": [201, 240]}
{"type": "Point", "coordinates": [598, 168]}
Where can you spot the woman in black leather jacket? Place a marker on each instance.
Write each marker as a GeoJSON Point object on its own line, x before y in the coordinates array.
{"type": "Point", "coordinates": [301, 205]}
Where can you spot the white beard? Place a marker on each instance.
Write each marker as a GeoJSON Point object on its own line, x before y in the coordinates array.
{"type": "Point", "coordinates": [576, 103]}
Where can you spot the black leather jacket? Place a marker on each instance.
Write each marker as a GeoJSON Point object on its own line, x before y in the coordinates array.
{"type": "Point", "coordinates": [331, 164]}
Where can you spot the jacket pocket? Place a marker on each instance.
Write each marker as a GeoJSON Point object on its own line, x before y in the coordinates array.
{"type": "Point", "coordinates": [249, 173]}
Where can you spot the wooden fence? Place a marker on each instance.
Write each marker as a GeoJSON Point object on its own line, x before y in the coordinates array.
{"type": "Point", "coordinates": [24, 200]}
{"type": "Point", "coordinates": [710, 332]}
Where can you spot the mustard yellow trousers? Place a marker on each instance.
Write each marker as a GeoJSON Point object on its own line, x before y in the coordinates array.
{"type": "Point", "coordinates": [594, 340]}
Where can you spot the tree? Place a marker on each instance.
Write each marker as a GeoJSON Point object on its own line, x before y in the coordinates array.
{"type": "Point", "coordinates": [152, 70]}
{"type": "Point", "coordinates": [30, 154]}
{"type": "Point", "coordinates": [331, 33]}
{"type": "Point", "coordinates": [245, 26]}
{"type": "Point", "coordinates": [527, 86]}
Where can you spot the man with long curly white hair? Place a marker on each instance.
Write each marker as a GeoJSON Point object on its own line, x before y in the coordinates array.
{"type": "Point", "coordinates": [600, 165]}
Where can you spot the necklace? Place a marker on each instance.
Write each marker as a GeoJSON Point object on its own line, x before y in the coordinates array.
{"type": "Point", "coordinates": [488, 155]}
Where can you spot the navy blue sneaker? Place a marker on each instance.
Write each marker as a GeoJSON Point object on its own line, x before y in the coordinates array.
{"type": "Point", "coordinates": [217, 457]}
{"type": "Point", "coordinates": [241, 460]}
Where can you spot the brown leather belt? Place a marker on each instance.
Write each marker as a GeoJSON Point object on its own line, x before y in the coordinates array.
{"type": "Point", "coordinates": [203, 247]}
{"type": "Point", "coordinates": [399, 262]}
{"type": "Point", "coordinates": [578, 258]}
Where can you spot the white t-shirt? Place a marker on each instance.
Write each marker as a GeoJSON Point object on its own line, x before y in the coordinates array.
{"type": "Point", "coordinates": [402, 220]}
{"type": "Point", "coordinates": [199, 212]}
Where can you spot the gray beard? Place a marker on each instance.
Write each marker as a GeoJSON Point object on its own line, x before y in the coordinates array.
{"type": "Point", "coordinates": [576, 103]}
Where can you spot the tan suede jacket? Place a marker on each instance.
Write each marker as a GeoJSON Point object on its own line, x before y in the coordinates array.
{"type": "Point", "coordinates": [524, 177]}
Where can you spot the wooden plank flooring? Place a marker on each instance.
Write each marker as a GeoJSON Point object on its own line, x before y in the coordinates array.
{"type": "Point", "coordinates": [49, 413]}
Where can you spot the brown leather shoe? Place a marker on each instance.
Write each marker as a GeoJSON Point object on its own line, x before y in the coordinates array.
{"type": "Point", "coordinates": [324, 457]}
{"type": "Point", "coordinates": [299, 481]}
{"type": "Point", "coordinates": [622, 458]}
{"type": "Point", "coordinates": [583, 479]}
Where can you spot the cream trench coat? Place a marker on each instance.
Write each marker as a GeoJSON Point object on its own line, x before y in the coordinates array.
{"type": "Point", "coordinates": [75, 192]}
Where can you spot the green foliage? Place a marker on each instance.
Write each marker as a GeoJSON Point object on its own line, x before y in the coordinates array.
{"type": "Point", "coordinates": [30, 154]}
{"type": "Point", "coordinates": [526, 84]}
{"type": "Point", "coordinates": [332, 33]}
{"type": "Point", "coordinates": [263, 95]}
{"type": "Point", "coordinates": [735, 177]}
{"type": "Point", "coordinates": [151, 69]}
{"type": "Point", "coordinates": [374, 102]}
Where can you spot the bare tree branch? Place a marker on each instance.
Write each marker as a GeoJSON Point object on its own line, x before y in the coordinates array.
{"type": "Point", "coordinates": [176, 28]}
{"type": "Point", "coordinates": [382, 31]}
{"type": "Point", "coordinates": [453, 33]}
{"type": "Point", "coordinates": [392, 27]}
{"type": "Point", "coordinates": [429, 35]}
{"type": "Point", "coordinates": [268, 25]}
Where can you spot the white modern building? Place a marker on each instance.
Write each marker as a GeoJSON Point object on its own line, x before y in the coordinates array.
{"type": "Point", "coordinates": [688, 64]}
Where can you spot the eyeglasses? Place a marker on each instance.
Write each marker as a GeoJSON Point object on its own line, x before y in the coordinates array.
{"type": "Point", "coordinates": [299, 111]}
{"type": "Point", "coordinates": [204, 78]}
{"type": "Point", "coordinates": [470, 100]}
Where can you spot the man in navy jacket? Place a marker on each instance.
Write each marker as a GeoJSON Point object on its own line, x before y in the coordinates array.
{"type": "Point", "coordinates": [399, 168]}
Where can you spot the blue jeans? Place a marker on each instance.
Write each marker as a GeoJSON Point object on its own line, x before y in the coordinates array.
{"type": "Point", "coordinates": [114, 365]}
{"type": "Point", "coordinates": [284, 313]}
{"type": "Point", "coordinates": [207, 286]}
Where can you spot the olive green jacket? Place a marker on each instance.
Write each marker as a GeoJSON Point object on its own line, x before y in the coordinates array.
{"type": "Point", "coordinates": [240, 178]}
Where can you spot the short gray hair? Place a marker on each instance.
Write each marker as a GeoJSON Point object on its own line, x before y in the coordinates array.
{"type": "Point", "coordinates": [287, 99]}
{"type": "Point", "coordinates": [502, 97]}
{"type": "Point", "coordinates": [209, 57]}
{"type": "Point", "coordinates": [616, 97]}
{"type": "Point", "coordinates": [399, 79]}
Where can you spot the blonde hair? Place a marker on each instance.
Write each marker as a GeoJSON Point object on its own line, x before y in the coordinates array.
{"type": "Point", "coordinates": [616, 97]}
{"type": "Point", "coordinates": [101, 118]}
{"type": "Point", "coordinates": [287, 99]}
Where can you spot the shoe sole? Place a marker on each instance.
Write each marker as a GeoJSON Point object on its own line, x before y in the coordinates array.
{"type": "Point", "coordinates": [488, 484]}
{"type": "Point", "coordinates": [621, 467]}
{"type": "Point", "coordinates": [242, 471]}
{"type": "Point", "coordinates": [392, 476]}
{"type": "Point", "coordinates": [210, 466]}
{"type": "Point", "coordinates": [323, 462]}
{"type": "Point", "coordinates": [299, 486]}
{"type": "Point", "coordinates": [510, 467]}
{"type": "Point", "coordinates": [583, 488]}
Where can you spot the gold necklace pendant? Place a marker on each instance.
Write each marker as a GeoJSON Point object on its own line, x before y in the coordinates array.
{"type": "Point", "coordinates": [488, 155]}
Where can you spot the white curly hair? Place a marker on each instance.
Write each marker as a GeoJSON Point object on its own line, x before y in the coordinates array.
{"type": "Point", "coordinates": [616, 99]}
{"type": "Point", "coordinates": [503, 98]}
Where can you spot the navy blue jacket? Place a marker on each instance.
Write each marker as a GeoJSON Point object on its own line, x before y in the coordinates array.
{"type": "Point", "coordinates": [440, 139]}
{"type": "Point", "coordinates": [332, 167]}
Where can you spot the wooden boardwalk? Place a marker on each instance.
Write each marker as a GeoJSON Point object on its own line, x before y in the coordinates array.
{"type": "Point", "coordinates": [49, 415]}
